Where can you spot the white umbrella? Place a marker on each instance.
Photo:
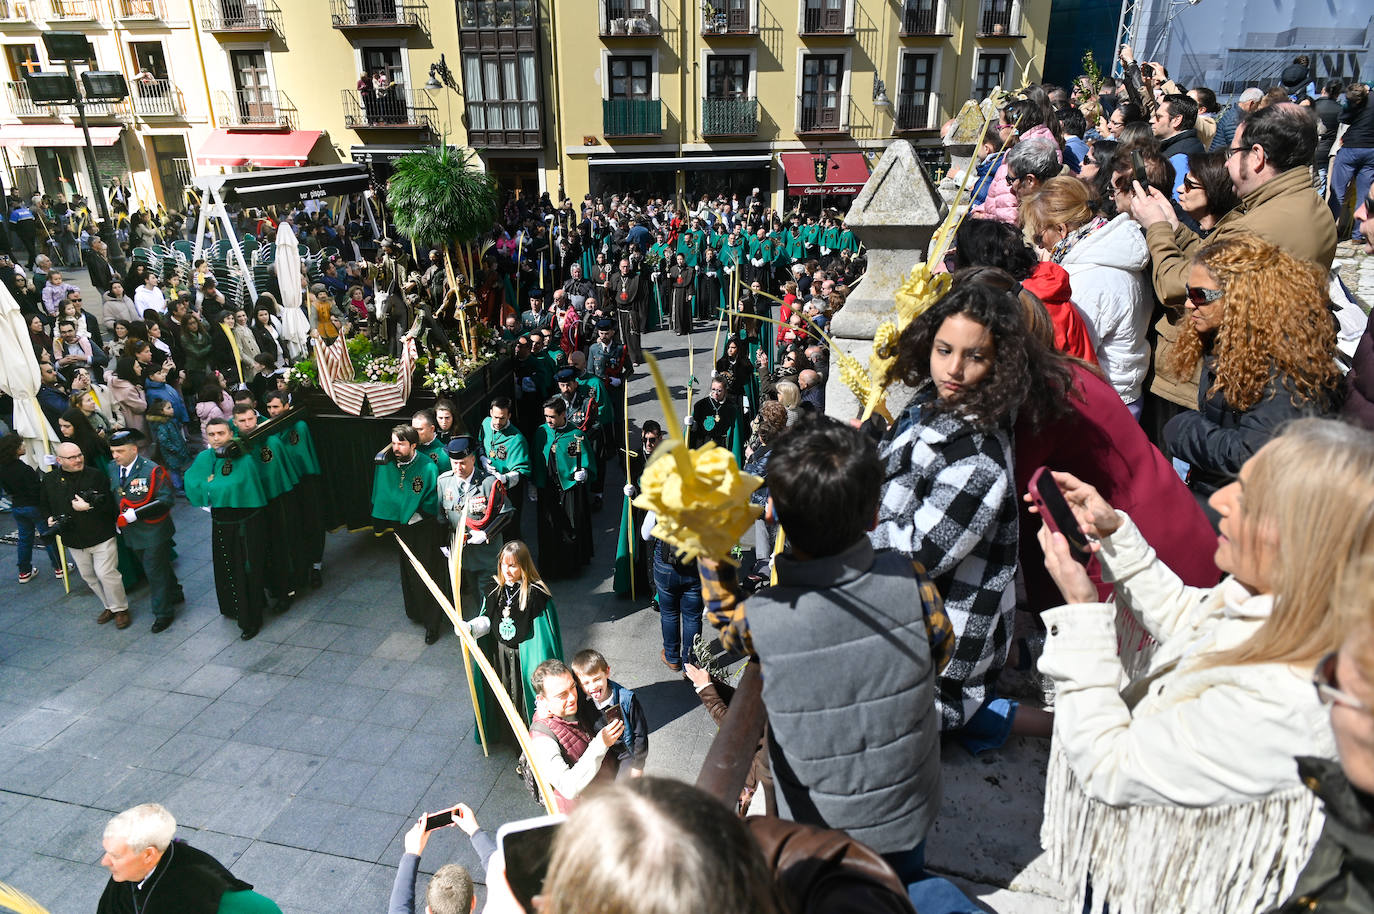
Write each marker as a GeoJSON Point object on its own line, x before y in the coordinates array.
{"type": "Point", "coordinates": [295, 328]}
{"type": "Point", "coordinates": [20, 379]}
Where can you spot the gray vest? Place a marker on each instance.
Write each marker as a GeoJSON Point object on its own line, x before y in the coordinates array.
{"type": "Point", "coordinates": [847, 683]}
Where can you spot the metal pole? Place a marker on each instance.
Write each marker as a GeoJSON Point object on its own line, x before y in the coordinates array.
{"type": "Point", "coordinates": [113, 253]}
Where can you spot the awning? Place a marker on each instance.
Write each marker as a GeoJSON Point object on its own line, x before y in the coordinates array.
{"type": "Point", "coordinates": [266, 149]}
{"type": "Point", "coordinates": [847, 173]}
{"type": "Point", "coordinates": [683, 163]}
{"type": "Point", "coordinates": [23, 136]}
{"type": "Point", "coordinates": [283, 185]}
{"type": "Point", "coordinates": [382, 155]}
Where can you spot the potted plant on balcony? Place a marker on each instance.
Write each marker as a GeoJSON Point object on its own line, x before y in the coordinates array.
{"type": "Point", "coordinates": [440, 197]}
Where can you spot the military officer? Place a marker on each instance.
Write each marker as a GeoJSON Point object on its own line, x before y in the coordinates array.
{"type": "Point", "coordinates": [562, 471]}
{"type": "Point", "coordinates": [536, 318]}
{"type": "Point", "coordinates": [226, 481]}
{"type": "Point", "coordinates": [474, 507]}
{"type": "Point", "coordinates": [505, 453]}
{"type": "Point", "coordinates": [405, 500]}
{"type": "Point", "coordinates": [143, 499]}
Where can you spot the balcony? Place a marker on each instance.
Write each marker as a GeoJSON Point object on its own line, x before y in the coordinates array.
{"type": "Point", "coordinates": [379, 14]}
{"type": "Point", "coordinates": [262, 108]}
{"type": "Point", "coordinates": [922, 17]}
{"type": "Point", "coordinates": [999, 19]}
{"type": "Point", "coordinates": [17, 94]}
{"type": "Point", "coordinates": [394, 110]}
{"type": "Point", "coordinates": [18, 12]}
{"type": "Point", "coordinates": [729, 116]}
{"type": "Point", "coordinates": [823, 21]}
{"type": "Point", "coordinates": [722, 20]}
{"type": "Point", "coordinates": [157, 98]}
{"type": "Point", "coordinates": [240, 17]}
{"type": "Point", "coordinates": [73, 10]}
{"type": "Point", "coordinates": [629, 19]}
{"type": "Point", "coordinates": [503, 124]}
{"type": "Point", "coordinates": [812, 119]}
{"type": "Point", "coordinates": [632, 117]}
{"type": "Point", "coordinates": [141, 10]}
{"type": "Point", "coordinates": [916, 110]}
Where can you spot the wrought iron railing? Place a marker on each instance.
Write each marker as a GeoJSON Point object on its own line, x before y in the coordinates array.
{"type": "Point", "coordinates": [627, 18]}
{"type": "Point", "coordinates": [811, 118]}
{"type": "Point", "coordinates": [396, 107]}
{"type": "Point", "coordinates": [718, 20]}
{"type": "Point", "coordinates": [914, 110]}
{"type": "Point", "coordinates": [73, 9]}
{"type": "Point", "coordinates": [996, 18]}
{"type": "Point", "coordinates": [240, 16]}
{"type": "Point", "coordinates": [255, 108]}
{"type": "Point", "coordinates": [729, 116]}
{"type": "Point", "coordinates": [822, 21]}
{"type": "Point", "coordinates": [379, 14]}
{"type": "Point", "coordinates": [921, 17]}
{"type": "Point", "coordinates": [632, 116]}
{"type": "Point", "coordinates": [157, 98]}
{"type": "Point", "coordinates": [17, 10]}
{"type": "Point", "coordinates": [21, 104]}
{"type": "Point", "coordinates": [141, 9]}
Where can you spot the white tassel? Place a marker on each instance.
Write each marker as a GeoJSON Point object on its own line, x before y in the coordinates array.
{"type": "Point", "coordinates": [1238, 858]}
{"type": "Point", "coordinates": [1134, 644]}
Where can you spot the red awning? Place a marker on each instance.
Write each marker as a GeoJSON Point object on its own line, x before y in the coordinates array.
{"type": "Point", "coordinates": [265, 149]}
{"type": "Point", "coordinates": [846, 175]}
{"type": "Point", "coordinates": [23, 136]}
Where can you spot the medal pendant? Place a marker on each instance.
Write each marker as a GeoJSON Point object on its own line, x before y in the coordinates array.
{"type": "Point", "coordinates": [506, 629]}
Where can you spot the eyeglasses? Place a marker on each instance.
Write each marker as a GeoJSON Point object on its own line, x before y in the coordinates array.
{"type": "Point", "coordinates": [1328, 689]}
{"type": "Point", "coordinates": [1014, 180]}
{"type": "Point", "coordinates": [1090, 161]}
{"type": "Point", "coordinates": [1190, 184]}
{"type": "Point", "coordinates": [1232, 150]}
{"type": "Point", "coordinates": [1202, 297]}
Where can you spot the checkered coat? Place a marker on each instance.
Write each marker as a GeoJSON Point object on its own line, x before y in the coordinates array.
{"type": "Point", "coordinates": [949, 502]}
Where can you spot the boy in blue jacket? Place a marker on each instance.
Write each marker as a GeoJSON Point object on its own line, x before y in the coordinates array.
{"type": "Point", "coordinates": [611, 699]}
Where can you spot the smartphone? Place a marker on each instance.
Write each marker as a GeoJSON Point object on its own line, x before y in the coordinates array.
{"type": "Point", "coordinates": [1138, 162]}
{"type": "Point", "coordinates": [527, 847]}
{"type": "Point", "coordinates": [435, 820]}
{"type": "Point", "coordinates": [1147, 71]}
{"type": "Point", "coordinates": [1055, 511]}
{"type": "Point", "coordinates": [613, 712]}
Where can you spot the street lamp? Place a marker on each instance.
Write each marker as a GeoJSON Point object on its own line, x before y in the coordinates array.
{"type": "Point", "coordinates": [880, 100]}
{"type": "Point", "coordinates": [441, 77]}
{"type": "Point", "coordinates": [71, 48]}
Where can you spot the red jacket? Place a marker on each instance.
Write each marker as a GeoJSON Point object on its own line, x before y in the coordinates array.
{"type": "Point", "coordinates": [1101, 443]}
{"type": "Point", "coordinates": [1050, 283]}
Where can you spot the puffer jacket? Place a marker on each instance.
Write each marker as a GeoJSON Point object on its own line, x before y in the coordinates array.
{"type": "Point", "coordinates": [1106, 270]}
{"type": "Point", "coordinates": [1000, 203]}
{"type": "Point", "coordinates": [1217, 439]}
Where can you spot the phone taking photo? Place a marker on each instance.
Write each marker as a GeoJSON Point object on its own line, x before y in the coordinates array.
{"type": "Point", "coordinates": [527, 848]}
{"type": "Point", "coordinates": [613, 712]}
{"type": "Point", "coordinates": [435, 820]}
{"type": "Point", "coordinates": [1138, 164]}
{"type": "Point", "coordinates": [1057, 514]}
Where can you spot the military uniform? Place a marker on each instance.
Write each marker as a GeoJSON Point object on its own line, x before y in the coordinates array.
{"type": "Point", "coordinates": [509, 455]}
{"type": "Point", "coordinates": [230, 486]}
{"type": "Point", "coordinates": [536, 320]}
{"type": "Point", "coordinates": [565, 519]}
{"type": "Point", "coordinates": [146, 489]}
{"type": "Point", "coordinates": [478, 503]}
{"type": "Point", "coordinates": [405, 498]}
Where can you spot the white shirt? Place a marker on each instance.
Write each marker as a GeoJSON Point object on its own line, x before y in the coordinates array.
{"type": "Point", "coordinates": [153, 298]}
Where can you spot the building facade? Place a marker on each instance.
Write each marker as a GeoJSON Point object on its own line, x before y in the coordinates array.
{"type": "Point", "coordinates": [690, 97]}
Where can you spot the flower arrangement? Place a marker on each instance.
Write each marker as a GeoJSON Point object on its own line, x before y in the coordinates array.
{"type": "Point", "coordinates": [443, 377]}
{"type": "Point", "coordinates": [384, 369]}
{"type": "Point", "coordinates": [304, 373]}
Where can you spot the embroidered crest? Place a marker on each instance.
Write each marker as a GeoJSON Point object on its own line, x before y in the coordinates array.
{"type": "Point", "coordinates": [500, 452]}
{"type": "Point", "coordinates": [506, 629]}
{"type": "Point", "coordinates": [227, 468]}
{"type": "Point", "coordinates": [417, 485]}
{"type": "Point", "coordinates": [294, 437]}
{"type": "Point", "coordinates": [265, 454]}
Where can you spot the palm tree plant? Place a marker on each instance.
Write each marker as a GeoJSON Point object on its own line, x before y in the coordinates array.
{"type": "Point", "coordinates": [440, 197]}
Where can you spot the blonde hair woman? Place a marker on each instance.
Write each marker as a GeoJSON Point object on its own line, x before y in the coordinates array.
{"type": "Point", "coordinates": [1257, 320]}
{"type": "Point", "coordinates": [1105, 259]}
{"type": "Point", "coordinates": [524, 628]}
{"type": "Point", "coordinates": [1180, 791]}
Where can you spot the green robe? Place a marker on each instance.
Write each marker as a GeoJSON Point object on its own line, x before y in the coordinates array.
{"type": "Point", "coordinates": [437, 452]}
{"type": "Point", "coordinates": [278, 476]}
{"type": "Point", "coordinates": [830, 238]}
{"type": "Point", "coordinates": [558, 442]}
{"type": "Point", "coordinates": [506, 449]}
{"type": "Point", "coordinates": [298, 448]}
{"type": "Point", "coordinates": [544, 643]}
{"type": "Point", "coordinates": [795, 244]}
{"type": "Point", "coordinates": [398, 492]}
{"type": "Point", "coordinates": [224, 482]}
{"type": "Point", "coordinates": [848, 242]}
{"type": "Point", "coordinates": [689, 245]}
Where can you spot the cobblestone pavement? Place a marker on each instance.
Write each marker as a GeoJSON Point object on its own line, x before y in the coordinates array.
{"type": "Point", "coordinates": [301, 757]}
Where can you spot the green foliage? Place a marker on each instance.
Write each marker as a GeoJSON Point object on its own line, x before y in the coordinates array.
{"type": "Point", "coordinates": [1092, 73]}
{"type": "Point", "coordinates": [438, 196]}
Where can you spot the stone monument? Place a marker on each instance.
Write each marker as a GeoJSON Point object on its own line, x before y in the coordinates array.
{"type": "Point", "coordinates": [894, 216]}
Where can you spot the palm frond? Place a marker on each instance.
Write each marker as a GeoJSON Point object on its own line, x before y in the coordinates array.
{"type": "Point", "coordinates": [11, 899]}
{"type": "Point", "coordinates": [439, 195]}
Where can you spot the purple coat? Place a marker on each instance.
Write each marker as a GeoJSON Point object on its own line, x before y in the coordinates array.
{"type": "Point", "coordinates": [1359, 382]}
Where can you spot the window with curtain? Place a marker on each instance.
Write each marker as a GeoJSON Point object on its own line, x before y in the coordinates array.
{"type": "Point", "coordinates": [501, 91]}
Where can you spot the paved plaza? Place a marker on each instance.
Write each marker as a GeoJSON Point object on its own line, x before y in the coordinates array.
{"type": "Point", "coordinates": [301, 757]}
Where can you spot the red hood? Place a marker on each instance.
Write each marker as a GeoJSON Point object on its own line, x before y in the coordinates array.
{"type": "Point", "coordinates": [1050, 283]}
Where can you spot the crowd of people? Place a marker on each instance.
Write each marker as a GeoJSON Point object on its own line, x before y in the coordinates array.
{"type": "Point", "coordinates": [1128, 506]}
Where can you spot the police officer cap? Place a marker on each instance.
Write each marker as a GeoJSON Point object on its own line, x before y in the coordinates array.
{"type": "Point", "coordinates": [128, 436]}
{"type": "Point", "coordinates": [565, 374]}
{"type": "Point", "coordinates": [460, 447]}
{"type": "Point", "coordinates": [605, 324]}
{"type": "Point", "coordinates": [536, 293]}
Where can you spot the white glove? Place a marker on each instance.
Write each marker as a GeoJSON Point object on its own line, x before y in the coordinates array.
{"type": "Point", "coordinates": [50, 460]}
{"type": "Point", "coordinates": [444, 550]}
{"type": "Point", "coordinates": [580, 475]}
{"type": "Point", "coordinates": [510, 479]}
{"type": "Point", "coordinates": [616, 382]}
{"type": "Point", "coordinates": [711, 273]}
{"type": "Point", "coordinates": [206, 509]}
{"type": "Point", "coordinates": [477, 537]}
{"type": "Point", "coordinates": [486, 465]}
{"type": "Point", "coordinates": [757, 262]}
{"type": "Point", "coordinates": [129, 515]}
{"type": "Point", "coordinates": [655, 275]}
{"type": "Point", "coordinates": [534, 494]}
{"type": "Point", "coordinates": [479, 626]}
{"type": "Point", "coordinates": [688, 421]}
{"type": "Point", "coordinates": [630, 491]}
{"type": "Point", "coordinates": [527, 384]}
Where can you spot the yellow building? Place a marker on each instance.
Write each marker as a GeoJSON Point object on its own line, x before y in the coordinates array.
{"type": "Point", "coordinates": [563, 96]}
{"type": "Point", "coordinates": [701, 96]}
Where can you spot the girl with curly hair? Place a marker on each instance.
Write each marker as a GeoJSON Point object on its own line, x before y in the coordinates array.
{"type": "Point", "coordinates": [948, 498]}
{"type": "Point", "coordinates": [1257, 320]}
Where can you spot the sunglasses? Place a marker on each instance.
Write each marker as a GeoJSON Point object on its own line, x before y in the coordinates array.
{"type": "Point", "coordinates": [1203, 297]}
{"type": "Point", "coordinates": [1090, 161]}
{"type": "Point", "coordinates": [1013, 181]}
{"type": "Point", "coordinates": [1328, 689]}
{"type": "Point", "coordinates": [1190, 184]}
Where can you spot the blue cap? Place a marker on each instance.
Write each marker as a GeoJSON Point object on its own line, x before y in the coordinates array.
{"type": "Point", "coordinates": [459, 447]}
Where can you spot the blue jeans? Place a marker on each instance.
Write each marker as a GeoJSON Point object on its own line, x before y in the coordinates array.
{"type": "Point", "coordinates": [31, 522]}
{"type": "Point", "coordinates": [1357, 164]}
{"type": "Point", "coordinates": [929, 894]}
{"type": "Point", "coordinates": [679, 609]}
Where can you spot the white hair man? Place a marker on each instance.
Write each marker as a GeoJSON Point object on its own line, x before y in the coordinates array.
{"type": "Point", "coordinates": [151, 874]}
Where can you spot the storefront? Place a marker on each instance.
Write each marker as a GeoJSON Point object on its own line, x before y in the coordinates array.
{"type": "Point", "coordinates": [53, 156]}
{"type": "Point", "coordinates": [702, 176]}
{"type": "Point", "coordinates": [258, 148]}
{"type": "Point", "coordinates": [823, 180]}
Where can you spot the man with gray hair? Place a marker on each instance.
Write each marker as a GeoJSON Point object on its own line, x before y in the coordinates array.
{"type": "Point", "coordinates": [1030, 164]}
{"type": "Point", "coordinates": [152, 874]}
{"type": "Point", "coordinates": [1226, 124]}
